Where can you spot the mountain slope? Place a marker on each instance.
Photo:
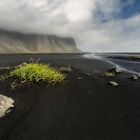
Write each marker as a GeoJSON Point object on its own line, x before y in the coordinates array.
{"type": "Point", "coordinates": [14, 42]}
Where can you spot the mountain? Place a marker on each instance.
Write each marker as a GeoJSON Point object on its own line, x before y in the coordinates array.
{"type": "Point", "coordinates": [15, 42]}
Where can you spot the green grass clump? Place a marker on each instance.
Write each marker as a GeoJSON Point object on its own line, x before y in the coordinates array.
{"type": "Point", "coordinates": [36, 72]}
{"type": "Point", "coordinates": [2, 78]}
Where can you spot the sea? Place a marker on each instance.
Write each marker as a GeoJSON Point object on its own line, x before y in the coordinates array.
{"type": "Point", "coordinates": [119, 60]}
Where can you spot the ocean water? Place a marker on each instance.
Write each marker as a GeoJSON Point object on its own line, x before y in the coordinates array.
{"type": "Point", "coordinates": [9, 60]}
{"type": "Point", "coordinates": [113, 59]}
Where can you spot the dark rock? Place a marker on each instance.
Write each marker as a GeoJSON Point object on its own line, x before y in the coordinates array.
{"type": "Point", "coordinates": [88, 74]}
{"type": "Point", "coordinates": [134, 77]}
{"type": "Point", "coordinates": [66, 69]}
{"type": "Point", "coordinates": [113, 83]}
{"type": "Point", "coordinates": [115, 70]}
{"type": "Point", "coordinates": [108, 74]}
{"type": "Point", "coordinates": [23, 64]}
{"type": "Point", "coordinates": [79, 78]}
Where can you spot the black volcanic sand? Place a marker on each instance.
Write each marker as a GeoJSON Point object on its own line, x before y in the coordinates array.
{"type": "Point", "coordinates": [81, 109]}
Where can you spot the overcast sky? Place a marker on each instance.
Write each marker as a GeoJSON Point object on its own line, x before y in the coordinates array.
{"type": "Point", "coordinates": [96, 25]}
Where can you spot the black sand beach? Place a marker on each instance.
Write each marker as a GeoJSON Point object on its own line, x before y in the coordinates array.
{"type": "Point", "coordinates": [84, 108]}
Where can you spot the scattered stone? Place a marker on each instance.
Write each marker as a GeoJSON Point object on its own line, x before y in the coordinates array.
{"type": "Point", "coordinates": [134, 77]}
{"type": "Point", "coordinates": [7, 68]}
{"type": "Point", "coordinates": [88, 74]}
{"type": "Point", "coordinates": [66, 69]}
{"type": "Point", "coordinates": [23, 64]}
{"type": "Point", "coordinates": [5, 104]}
{"type": "Point", "coordinates": [112, 72]}
{"type": "Point", "coordinates": [79, 78]}
{"type": "Point", "coordinates": [108, 74]}
{"type": "Point", "coordinates": [138, 76]}
{"type": "Point", "coordinates": [115, 70]}
{"type": "Point", "coordinates": [113, 83]}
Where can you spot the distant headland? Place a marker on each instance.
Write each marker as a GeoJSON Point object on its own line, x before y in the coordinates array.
{"type": "Point", "coordinates": [16, 42]}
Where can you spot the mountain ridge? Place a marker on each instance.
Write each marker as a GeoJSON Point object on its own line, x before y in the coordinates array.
{"type": "Point", "coordinates": [16, 42]}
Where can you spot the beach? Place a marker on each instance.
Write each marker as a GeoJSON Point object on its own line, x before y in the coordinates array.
{"type": "Point", "coordinates": [84, 107]}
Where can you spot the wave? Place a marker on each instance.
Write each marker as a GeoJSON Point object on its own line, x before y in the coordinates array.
{"type": "Point", "coordinates": [114, 63]}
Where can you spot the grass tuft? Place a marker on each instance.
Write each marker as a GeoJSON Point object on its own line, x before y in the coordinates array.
{"type": "Point", "coordinates": [36, 72]}
{"type": "Point", "coordinates": [3, 77]}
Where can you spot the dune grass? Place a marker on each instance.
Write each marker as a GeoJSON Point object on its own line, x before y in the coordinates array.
{"type": "Point", "coordinates": [36, 72]}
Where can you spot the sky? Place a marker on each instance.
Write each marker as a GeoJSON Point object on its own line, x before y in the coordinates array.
{"type": "Point", "coordinates": [96, 25]}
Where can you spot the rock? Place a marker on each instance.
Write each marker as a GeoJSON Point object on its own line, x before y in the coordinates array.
{"type": "Point", "coordinates": [88, 74]}
{"type": "Point", "coordinates": [7, 68]}
{"type": "Point", "coordinates": [138, 76]}
{"type": "Point", "coordinates": [5, 104]}
{"type": "Point", "coordinates": [66, 69]}
{"type": "Point", "coordinates": [115, 70]}
{"type": "Point", "coordinates": [23, 64]}
{"type": "Point", "coordinates": [108, 74]}
{"type": "Point", "coordinates": [134, 77]}
{"type": "Point", "coordinates": [113, 83]}
{"type": "Point", "coordinates": [112, 72]}
{"type": "Point", "coordinates": [79, 78]}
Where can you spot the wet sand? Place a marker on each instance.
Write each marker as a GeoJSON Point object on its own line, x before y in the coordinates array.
{"type": "Point", "coordinates": [84, 108]}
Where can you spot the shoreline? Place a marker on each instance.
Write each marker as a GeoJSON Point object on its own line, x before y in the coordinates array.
{"type": "Point", "coordinates": [82, 108]}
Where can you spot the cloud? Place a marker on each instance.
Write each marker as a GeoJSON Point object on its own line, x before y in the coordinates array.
{"type": "Point", "coordinates": [95, 24]}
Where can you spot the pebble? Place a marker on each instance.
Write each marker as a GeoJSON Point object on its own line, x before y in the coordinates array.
{"type": "Point", "coordinates": [88, 74]}
{"type": "Point", "coordinates": [79, 78]}
{"type": "Point", "coordinates": [113, 83]}
{"type": "Point", "coordinates": [134, 77]}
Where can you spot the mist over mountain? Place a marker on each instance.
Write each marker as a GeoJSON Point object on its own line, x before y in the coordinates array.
{"type": "Point", "coordinates": [15, 42]}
